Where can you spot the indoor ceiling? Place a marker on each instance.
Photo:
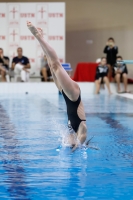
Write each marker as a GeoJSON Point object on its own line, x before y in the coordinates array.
{"type": "Point", "coordinates": [96, 14]}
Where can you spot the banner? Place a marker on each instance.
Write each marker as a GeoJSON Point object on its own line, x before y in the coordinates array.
{"type": "Point", "coordinates": [14, 32]}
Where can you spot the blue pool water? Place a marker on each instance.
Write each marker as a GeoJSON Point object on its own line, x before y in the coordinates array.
{"type": "Point", "coordinates": [33, 166]}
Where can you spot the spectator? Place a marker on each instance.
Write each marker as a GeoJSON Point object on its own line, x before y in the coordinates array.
{"type": "Point", "coordinates": [101, 75]}
{"type": "Point", "coordinates": [111, 51]}
{"type": "Point", "coordinates": [20, 65]}
{"type": "Point", "coordinates": [120, 74]}
{"type": "Point", "coordinates": [4, 65]}
{"type": "Point", "coordinates": [45, 70]}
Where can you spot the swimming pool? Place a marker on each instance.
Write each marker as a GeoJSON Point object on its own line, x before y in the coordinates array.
{"type": "Point", "coordinates": [34, 166]}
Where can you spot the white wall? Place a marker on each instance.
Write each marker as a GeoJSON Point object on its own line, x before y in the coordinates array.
{"type": "Point", "coordinates": [49, 16]}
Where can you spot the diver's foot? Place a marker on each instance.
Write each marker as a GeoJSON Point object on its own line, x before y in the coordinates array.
{"type": "Point", "coordinates": [37, 32]}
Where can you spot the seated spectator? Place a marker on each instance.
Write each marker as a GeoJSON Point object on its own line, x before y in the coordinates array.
{"type": "Point", "coordinates": [111, 51]}
{"type": "Point", "coordinates": [20, 65]}
{"type": "Point", "coordinates": [120, 74]}
{"type": "Point", "coordinates": [101, 75]}
{"type": "Point", "coordinates": [4, 66]}
{"type": "Point", "coordinates": [45, 70]}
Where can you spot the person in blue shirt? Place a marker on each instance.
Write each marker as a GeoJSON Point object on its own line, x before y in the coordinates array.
{"type": "Point", "coordinates": [21, 65]}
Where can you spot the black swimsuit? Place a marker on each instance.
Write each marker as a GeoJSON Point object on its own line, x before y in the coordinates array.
{"type": "Point", "coordinates": [73, 118]}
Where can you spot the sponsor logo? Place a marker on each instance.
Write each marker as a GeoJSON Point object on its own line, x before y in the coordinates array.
{"type": "Point", "coordinates": [13, 45]}
{"type": "Point", "coordinates": [27, 15]}
{"type": "Point", "coordinates": [42, 11]}
{"type": "Point", "coordinates": [55, 37]}
{"type": "Point", "coordinates": [13, 11]}
{"type": "Point", "coordinates": [2, 15]}
{"type": "Point", "coordinates": [13, 15]}
{"type": "Point", "coordinates": [42, 14]}
{"type": "Point", "coordinates": [13, 37]}
{"type": "Point", "coordinates": [14, 23]}
{"type": "Point", "coordinates": [55, 14]}
{"type": "Point", "coordinates": [42, 23]}
{"type": "Point", "coordinates": [13, 33]}
{"type": "Point", "coordinates": [2, 37]}
{"type": "Point", "coordinates": [27, 37]}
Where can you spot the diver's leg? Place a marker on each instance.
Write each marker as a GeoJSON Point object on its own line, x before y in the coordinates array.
{"type": "Point", "coordinates": [70, 87]}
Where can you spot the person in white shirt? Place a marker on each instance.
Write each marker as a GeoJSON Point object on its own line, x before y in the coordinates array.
{"type": "Point", "coordinates": [102, 75]}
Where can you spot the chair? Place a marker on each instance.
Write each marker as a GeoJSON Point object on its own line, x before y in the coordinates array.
{"type": "Point", "coordinates": [67, 67]}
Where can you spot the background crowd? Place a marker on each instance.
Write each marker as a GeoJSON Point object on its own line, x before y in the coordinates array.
{"type": "Point", "coordinates": [109, 69]}
{"type": "Point", "coordinates": [20, 67]}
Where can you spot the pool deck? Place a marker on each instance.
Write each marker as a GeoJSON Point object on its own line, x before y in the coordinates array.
{"type": "Point", "coordinates": [50, 88]}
